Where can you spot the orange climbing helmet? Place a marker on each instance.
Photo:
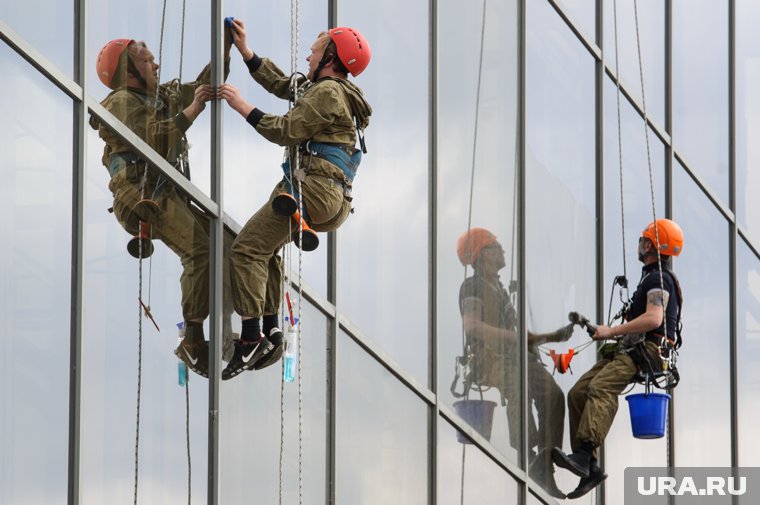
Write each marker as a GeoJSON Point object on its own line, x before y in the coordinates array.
{"type": "Point", "coordinates": [670, 235]}
{"type": "Point", "coordinates": [471, 242]}
{"type": "Point", "coordinates": [108, 60]}
{"type": "Point", "coordinates": [353, 49]}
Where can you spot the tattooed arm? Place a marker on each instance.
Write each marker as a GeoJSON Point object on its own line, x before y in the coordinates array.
{"type": "Point", "coordinates": [648, 321]}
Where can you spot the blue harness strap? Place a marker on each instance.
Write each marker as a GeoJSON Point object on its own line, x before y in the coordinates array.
{"type": "Point", "coordinates": [337, 155]}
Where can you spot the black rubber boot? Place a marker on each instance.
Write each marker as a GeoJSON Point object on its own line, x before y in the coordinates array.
{"type": "Point", "coordinates": [595, 477]}
{"type": "Point", "coordinates": [578, 462]}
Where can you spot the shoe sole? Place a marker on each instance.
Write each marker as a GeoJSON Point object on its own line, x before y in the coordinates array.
{"type": "Point", "coordinates": [269, 359]}
{"type": "Point", "coordinates": [246, 366]}
{"type": "Point", "coordinates": [588, 486]}
{"type": "Point", "coordinates": [560, 459]}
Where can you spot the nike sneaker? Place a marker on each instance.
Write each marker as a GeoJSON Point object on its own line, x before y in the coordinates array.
{"type": "Point", "coordinates": [194, 354]}
{"type": "Point", "coordinates": [275, 337]}
{"type": "Point", "coordinates": [246, 355]}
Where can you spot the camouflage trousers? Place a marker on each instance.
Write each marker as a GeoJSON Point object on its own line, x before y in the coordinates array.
{"type": "Point", "coordinates": [256, 267]}
{"type": "Point", "coordinates": [593, 400]}
{"type": "Point", "coordinates": [185, 231]}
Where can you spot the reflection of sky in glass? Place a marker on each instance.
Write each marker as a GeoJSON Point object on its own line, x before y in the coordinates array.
{"type": "Point", "coordinates": [48, 26]}
{"type": "Point", "coordinates": [381, 429]}
{"type": "Point", "coordinates": [748, 350]}
{"type": "Point", "coordinates": [621, 450]}
{"type": "Point", "coordinates": [560, 186]}
{"type": "Point", "coordinates": [652, 37]}
{"type": "Point", "coordinates": [702, 397]}
{"type": "Point", "coordinates": [249, 434]}
{"type": "Point", "coordinates": [700, 94]}
{"type": "Point", "coordinates": [35, 285]}
{"type": "Point", "coordinates": [383, 246]}
{"type": "Point", "coordinates": [484, 481]}
{"type": "Point", "coordinates": [748, 117]}
{"type": "Point", "coordinates": [582, 13]}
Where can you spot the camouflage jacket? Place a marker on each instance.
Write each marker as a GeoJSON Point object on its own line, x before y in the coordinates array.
{"type": "Point", "coordinates": [162, 125]}
{"type": "Point", "coordinates": [324, 112]}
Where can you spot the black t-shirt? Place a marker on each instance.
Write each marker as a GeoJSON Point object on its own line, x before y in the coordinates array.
{"type": "Point", "coordinates": [650, 281]}
{"type": "Point", "coordinates": [493, 298]}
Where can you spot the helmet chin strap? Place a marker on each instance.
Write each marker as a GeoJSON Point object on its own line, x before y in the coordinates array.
{"type": "Point", "coordinates": [132, 69]}
{"type": "Point", "coordinates": [322, 64]}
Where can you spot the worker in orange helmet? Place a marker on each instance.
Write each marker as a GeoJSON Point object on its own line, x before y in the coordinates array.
{"type": "Point", "coordinates": [490, 326]}
{"type": "Point", "coordinates": [593, 400]}
{"type": "Point", "coordinates": [160, 114]}
{"type": "Point", "coordinates": [321, 129]}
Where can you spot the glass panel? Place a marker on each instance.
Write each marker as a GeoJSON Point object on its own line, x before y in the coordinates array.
{"type": "Point", "coordinates": [702, 403]}
{"type": "Point", "coordinates": [748, 350]}
{"type": "Point", "coordinates": [112, 329]}
{"type": "Point", "coordinates": [747, 116]}
{"type": "Point", "coordinates": [583, 14]}
{"type": "Point", "coordinates": [560, 222]}
{"type": "Point", "coordinates": [621, 450]}
{"type": "Point", "coordinates": [491, 206]}
{"type": "Point", "coordinates": [652, 37]}
{"type": "Point", "coordinates": [176, 58]}
{"type": "Point", "coordinates": [466, 476]}
{"type": "Point", "coordinates": [382, 434]}
{"type": "Point", "coordinates": [48, 25]}
{"type": "Point", "coordinates": [384, 262]}
{"type": "Point", "coordinates": [35, 305]}
{"type": "Point", "coordinates": [700, 94]}
{"type": "Point", "coordinates": [252, 165]}
{"type": "Point", "coordinates": [254, 458]}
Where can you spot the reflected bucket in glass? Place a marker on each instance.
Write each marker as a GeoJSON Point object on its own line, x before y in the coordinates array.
{"type": "Point", "coordinates": [649, 413]}
{"type": "Point", "coordinates": [478, 414]}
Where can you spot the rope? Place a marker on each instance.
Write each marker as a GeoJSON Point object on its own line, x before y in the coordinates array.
{"type": "Point", "coordinates": [139, 357]}
{"type": "Point", "coordinates": [649, 162]}
{"type": "Point", "coordinates": [620, 145]}
{"type": "Point", "coordinates": [187, 433]}
{"type": "Point", "coordinates": [181, 43]}
{"type": "Point", "coordinates": [160, 50]}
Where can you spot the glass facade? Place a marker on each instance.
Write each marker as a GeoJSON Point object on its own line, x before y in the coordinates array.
{"type": "Point", "coordinates": [507, 182]}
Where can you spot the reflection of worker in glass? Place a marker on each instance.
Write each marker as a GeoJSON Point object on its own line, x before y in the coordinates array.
{"type": "Point", "coordinates": [321, 129]}
{"type": "Point", "coordinates": [490, 324]}
{"type": "Point", "coordinates": [593, 400]}
{"type": "Point", "coordinates": [159, 114]}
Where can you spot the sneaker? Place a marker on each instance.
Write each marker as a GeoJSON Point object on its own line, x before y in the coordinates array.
{"type": "Point", "coordinates": [246, 355]}
{"type": "Point", "coordinates": [577, 462]}
{"type": "Point", "coordinates": [595, 477]}
{"type": "Point", "coordinates": [275, 337]}
{"type": "Point", "coordinates": [195, 355]}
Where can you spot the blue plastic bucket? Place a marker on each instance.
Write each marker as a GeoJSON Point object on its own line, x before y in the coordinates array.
{"type": "Point", "coordinates": [478, 414]}
{"type": "Point", "coordinates": [649, 413]}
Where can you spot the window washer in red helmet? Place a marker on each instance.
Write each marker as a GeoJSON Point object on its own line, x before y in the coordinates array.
{"type": "Point", "coordinates": [329, 115]}
{"type": "Point", "coordinates": [160, 114]}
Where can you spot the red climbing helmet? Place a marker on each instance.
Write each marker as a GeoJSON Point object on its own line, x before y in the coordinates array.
{"type": "Point", "coordinates": [353, 49]}
{"type": "Point", "coordinates": [108, 60]}
{"type": "Point", "coordinates": [471, 242]}
{"type": "Point", "coordinates": [670, 234]}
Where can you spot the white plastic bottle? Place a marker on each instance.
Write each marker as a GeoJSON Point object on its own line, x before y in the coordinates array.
{"type": "Point", "coordinates": [290, 369]}
{"type": "Point", "coordinates": [181, 365]}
